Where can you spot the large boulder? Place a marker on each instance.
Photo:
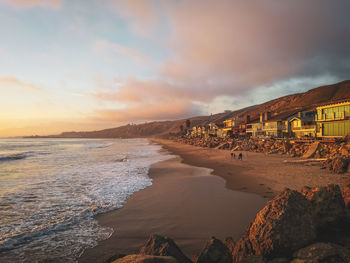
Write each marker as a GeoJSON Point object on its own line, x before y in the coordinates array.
{"type": "Point", "coordinates": [163, 246]}
{"type": "Point", "coordinates": [283, 225]}
{"type": "Point", "coordinates": [243, 249]}
{"type": "Point", "coordinates": [346, 194]}
{"type": "Point", "coordinates": [327, 203]}
{"type": "Point", "coordinates": [145, 259]}
{"type": "Point", "coordinates": [215, 252]}
{"type": "Point", "coordinates": [322, 252]}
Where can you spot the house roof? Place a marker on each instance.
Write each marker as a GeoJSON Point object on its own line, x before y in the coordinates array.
{"type": "Point", "coordinates": [283, 116]}
{"type": "Point", "coordinates": [326, 105]}
{"type": "Point", "coordinates": [304, 118]}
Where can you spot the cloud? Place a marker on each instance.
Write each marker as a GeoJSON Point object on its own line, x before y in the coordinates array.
{"type": "Point", "coordinates": [142, 15]}
{"type": "Point", "coordinates": [103, 45]}
{"type": "Point", "coordinates": [146, 100]}
{"type": "Point", "coordinates": [235, 49]}
{"type": "Point", "coordinates": [10, 82]}
{"type": "Point", "coordinates": [32, 3]}
{"type": "Point", "coordinates": [244, 44]}
{"type": "Point", "coordinates": [148, 111]}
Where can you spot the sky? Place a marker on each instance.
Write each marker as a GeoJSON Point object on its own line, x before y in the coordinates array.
{"type": "Point", "coordinates": [91, 64]}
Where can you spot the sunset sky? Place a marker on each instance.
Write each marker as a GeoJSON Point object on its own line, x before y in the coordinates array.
{"type": "Point", "coordinates": [91, 64]}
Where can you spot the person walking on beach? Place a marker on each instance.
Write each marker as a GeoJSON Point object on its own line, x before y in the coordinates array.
{"type": "Point", "coordinates": [240, 156]}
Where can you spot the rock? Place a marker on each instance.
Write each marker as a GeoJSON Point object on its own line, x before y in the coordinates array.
{"type": "Point", "coordinates": [327, 203]}
{"type": "Point", "coordinates": [253, 259]}
{"type": "Point", "coordinates": [279, 260]}
{"type": "Point", "coordinates": [145, 259]}
{"type": "Point", "coordinates": [346, 194]}
{"type": "Point", "coordinates": [322, 252]}
{"type": "Point", "coordinates": [339, 165]}
{"type": "Point", "coordinates": [163, 246]}
{"type": "Point", "coordinates": [327, 164]}
{"type": "Point", "coordinates": [344, 152]}
{"type": "Point", "coordinates": [243, 249]}
{"type": "Point", "coordinates": [114, 257]}
{"type": "Point", "coordinates": [215, 252]}
{"type": "Point", "coordinates": [230, 244]}
{"type": "Point", "coordinates": [283, 225]}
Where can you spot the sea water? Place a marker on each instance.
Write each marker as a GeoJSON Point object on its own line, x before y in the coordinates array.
{"type": "Point", "coordinates": [50, 189]}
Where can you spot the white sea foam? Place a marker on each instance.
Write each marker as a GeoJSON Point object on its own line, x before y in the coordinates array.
{"type": "Point", "coordinates": [98, 145]}
{"type": "Point", "coordinates": [48, 200]}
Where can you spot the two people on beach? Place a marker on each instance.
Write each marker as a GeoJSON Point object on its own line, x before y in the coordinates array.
{"type": "Point", "coordinates": [233, 156]}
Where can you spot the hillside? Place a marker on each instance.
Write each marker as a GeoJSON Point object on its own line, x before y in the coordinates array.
{"type": "Point", "coordinates": [301, 101]}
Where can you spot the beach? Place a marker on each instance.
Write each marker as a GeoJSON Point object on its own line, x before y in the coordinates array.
{"type": "Point", "coordinates": [201, 193]}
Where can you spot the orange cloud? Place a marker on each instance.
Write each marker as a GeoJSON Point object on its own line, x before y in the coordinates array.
{"type": "Point", "coordinates": [104, 45]}
{"type": "Point", "coordinates": [146, 100]}
{"type": "Point", "coordinates": [9, 82]}
{"type": "Point", "coordinates": [147, 111]}
{"type": "Point", "coordinates": [32, 3]}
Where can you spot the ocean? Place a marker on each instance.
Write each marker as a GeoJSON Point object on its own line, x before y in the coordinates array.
{"type": "Point", "coordinates": [50, 189]}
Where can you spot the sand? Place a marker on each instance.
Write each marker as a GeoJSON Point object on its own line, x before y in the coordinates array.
{"type": "Point", "coordinates": [258, 173]}
{"type": "Point", "coordinates": [198, 194]}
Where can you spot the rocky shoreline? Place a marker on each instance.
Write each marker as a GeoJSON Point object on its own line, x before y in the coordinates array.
{"type": "Point", "coordinates": [309, 226]}
{"type": "Point", "coordinates": [333, 155]}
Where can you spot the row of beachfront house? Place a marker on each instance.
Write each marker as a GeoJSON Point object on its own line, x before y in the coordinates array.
{"type": "Point", "coordinates": [331, 120]}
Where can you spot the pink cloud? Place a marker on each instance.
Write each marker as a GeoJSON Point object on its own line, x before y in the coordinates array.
{"type": "Point", "coordinates": [146, 100]}
{"type": "Point", "coordinates": [10, 82]}
{"type": "Point", "coordinates": [147, 111]}
{"type": "Point", "coordinates": [32, 3]}
{"type": "Point", "coordinates": [228, 48]}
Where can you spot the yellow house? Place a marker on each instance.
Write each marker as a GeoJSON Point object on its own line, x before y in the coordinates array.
{"type": "Point", "coordinates": [303, 125]}
{"type": "Point", "coordinates": [231, 124]}
{"type": "Point", "coordinates": [194, 131]}
{"type": "Point", "coordinates": [333, 120]}
{"type": "Point", "coordinates": [213, 129]}
{"type": "Point", "coordinates": [254, 129]}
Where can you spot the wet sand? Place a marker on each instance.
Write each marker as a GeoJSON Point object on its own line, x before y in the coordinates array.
{"type": "Point", "coordinates": [186, 203]}
{"type": "Point", "coordinates": [189, 203]}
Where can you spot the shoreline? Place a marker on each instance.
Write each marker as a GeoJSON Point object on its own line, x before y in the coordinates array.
{"type": "Point", "coordinates": [185, 202]}
{"type": "Point", "coordinates": [177, 203]}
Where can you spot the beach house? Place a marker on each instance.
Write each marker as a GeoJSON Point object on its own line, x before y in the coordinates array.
{"type": "Point", "coordinates": [227, 129]}
{"type": "Point", "coordinates": [233, 126]}
{"type": "Point", "coordinates": [276, 126]}
{"type": "Point", "coordinates": [303, 125]}
{"type": "Point", "coordinates": [254, 129]}
{"type": "Point", "coordinates": [333, 120]}
{"type": "Point", "coordinates": [214, 128]}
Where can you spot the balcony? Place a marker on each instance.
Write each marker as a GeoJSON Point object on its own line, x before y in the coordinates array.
{"type": "Point", "coordinates": [304, 127]}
